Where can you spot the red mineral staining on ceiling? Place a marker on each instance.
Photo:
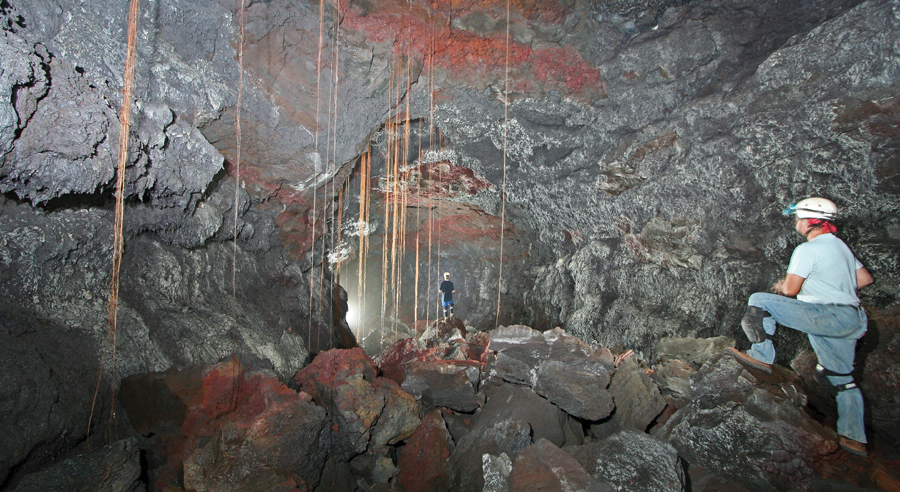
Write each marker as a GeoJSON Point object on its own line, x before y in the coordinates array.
{"type": "Point", "coordinates": [479, 58]}
{"type": "Point", "coordinates": [437, 179]}
{"type": "Point", "coordinates": [452, 44]}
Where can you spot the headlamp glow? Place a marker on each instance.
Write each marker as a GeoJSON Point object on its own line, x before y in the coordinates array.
{"type": "Point", "coordinates": [790, 210]}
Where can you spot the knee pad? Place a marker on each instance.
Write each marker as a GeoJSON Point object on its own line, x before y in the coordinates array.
{"type": "Point", "coordinates": [752, 323]}
{"type": "Point", "coordinates": [821, 378]}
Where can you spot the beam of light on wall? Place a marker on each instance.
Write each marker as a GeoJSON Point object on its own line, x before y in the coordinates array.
{"type": "Point", "coordinates": [353, 316]}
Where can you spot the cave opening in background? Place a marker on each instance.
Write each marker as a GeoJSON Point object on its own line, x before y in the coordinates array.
{"type": "Point", "coordinates": [411, 220]}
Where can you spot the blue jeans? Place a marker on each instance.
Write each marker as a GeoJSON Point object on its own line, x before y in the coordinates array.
{"type": "Point", "coordinates": [833, 330]}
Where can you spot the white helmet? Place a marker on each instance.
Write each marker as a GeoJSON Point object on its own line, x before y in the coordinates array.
{"type": "Point", "coordinates": [447, 275]}
{"type": "Point", "coordinates": [813, 208]}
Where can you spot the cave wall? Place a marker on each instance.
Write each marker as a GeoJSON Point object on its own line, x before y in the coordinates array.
{"type": "Point", "coordinates": [61, 80]}
{"type": "Point", "coordinates": [650, 205]}
{"type": "Point", "coordinates": [694, 159]}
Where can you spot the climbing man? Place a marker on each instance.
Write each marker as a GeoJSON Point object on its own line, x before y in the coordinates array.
{"type": "Point", "coordinates": [446, 290]}
{"type": "Point", "coordinates": [824, 275]}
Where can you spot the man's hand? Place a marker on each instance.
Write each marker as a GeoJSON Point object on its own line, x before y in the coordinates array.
{"type": "Point", "coordinates": [776, 287]}
{"type": "Point", "coordinates": [789, 285]}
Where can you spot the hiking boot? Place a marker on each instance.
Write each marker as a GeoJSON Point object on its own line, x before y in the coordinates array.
{"type": "Point", "coordinates": [855, 448]}
{"type": "Point", "coordinates": [747, 360]}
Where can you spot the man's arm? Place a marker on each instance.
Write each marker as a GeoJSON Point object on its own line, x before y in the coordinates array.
{"type": "Point", "coordinates": [789, 285]}
{"type": "Point", "coordinates": [863, 278]}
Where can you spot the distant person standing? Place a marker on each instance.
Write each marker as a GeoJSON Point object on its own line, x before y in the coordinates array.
{"type": "Point", "coordinates": [823, 275]}
{"type": "Point", "coordinates": [446, 289]}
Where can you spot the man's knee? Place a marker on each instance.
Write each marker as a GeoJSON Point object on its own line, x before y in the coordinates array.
{"type": "Point", "coordinates": [752, 323]}
{"type": "Point", "coordinates": [758, 298]}
{"type": "Point", "coordinates": [821, 377]}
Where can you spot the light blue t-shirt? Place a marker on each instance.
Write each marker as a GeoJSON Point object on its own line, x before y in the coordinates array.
{"type": "Point", "coordinates": [829, 268]}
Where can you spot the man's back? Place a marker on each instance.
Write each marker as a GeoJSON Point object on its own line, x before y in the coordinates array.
{"type": "Point", "coordinates": [829, 268]}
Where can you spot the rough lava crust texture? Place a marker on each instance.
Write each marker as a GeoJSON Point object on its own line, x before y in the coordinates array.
{"type": "Point", "coordinates": [634, 157]}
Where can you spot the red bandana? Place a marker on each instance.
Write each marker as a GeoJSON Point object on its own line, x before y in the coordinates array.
{"type": "Point", "coordinates": [826, 226]}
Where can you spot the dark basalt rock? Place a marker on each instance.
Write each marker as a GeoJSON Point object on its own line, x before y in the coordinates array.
{"type": "Point", "coordinates": [169, 317]}
{"type": "Point", "coordinates": [46, 378]}
{"type": "Point", "coordinates": [731, 428]}
{"type": "Point", "coordinates": [496, 469]}
{"type": "Point", "coordinates": [631, 460]}
{"type": "Point", "coordinates": [637, 401]}
{"type": "Point", "coordinates": [115, 468]}
{"type": "Point", "coordinates": [509, 401]}
{"type": "Point", "coordinates": [374, 468]}
{"type": "Point", "coordinates": [282, 448]}
{"type": "Point", "coordinates": [693, 351]}
{"type": "Point", "coordinates": [507, 436]}
{"type": "Point", "coordinates": [442, 331]}
{"type": "Point", "coordinates": [445, 383]}
{"type": "Point", "coordinates": [336, 477]}
{"type": "Point", "coordinates": [221, 424]}
{"type": "Point", "coordinates": [744, 425]}
{"type": "Point", "coordinates": [673, 378]}
{"type": "Point", "coordinates": [880, 356]}
{"type": "Point", "coordinates": [559, 367]}
{"type": "Point", "coordinates": [610, 183]}
{"type": "Point", "coordinates": [23, 81]}
{"type": "Point", "coordinates": [399, 418]}
{"type": "Point", "coordinates": [581, 394]}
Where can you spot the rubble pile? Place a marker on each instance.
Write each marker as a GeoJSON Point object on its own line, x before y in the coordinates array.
{"type": "Point", "coordinates": [512, 409]}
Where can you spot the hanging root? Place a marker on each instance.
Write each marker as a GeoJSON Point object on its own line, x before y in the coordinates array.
{"type": "Point", "coordinates": [109, 345]}
{"type": "Point", "coordinates": [503, 188]}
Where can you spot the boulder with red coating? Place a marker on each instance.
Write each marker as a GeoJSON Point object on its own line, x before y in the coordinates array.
{"type": "Point", "coordinates": [392, 362]}
{"type": "Point", "coordinates": [544, 467]}
{"type": "Point", "coordinates": [364, 410]}
{"type": "Point", "coordinates": [282, 449]}
{"type": "Point", "coordinates": [207, 415]}
{"type": "Point", "coordinates": [424, 461]}
{"type": "Point", "coordinates": [341, 381]}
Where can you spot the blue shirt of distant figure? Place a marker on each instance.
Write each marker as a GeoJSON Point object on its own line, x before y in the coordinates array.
{"type": "Point", "coordinates": [446, 292]}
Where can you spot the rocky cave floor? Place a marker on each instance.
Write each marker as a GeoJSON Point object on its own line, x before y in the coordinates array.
{"type": "Point", "coordinates": [511, 409]}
